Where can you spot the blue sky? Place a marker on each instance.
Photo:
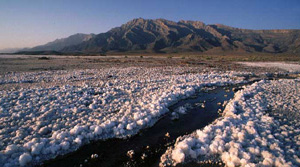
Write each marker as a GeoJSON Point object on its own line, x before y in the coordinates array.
{"type": "Point", "coordinates": [26, 23]}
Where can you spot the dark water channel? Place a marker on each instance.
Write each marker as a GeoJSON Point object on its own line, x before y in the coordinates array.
{"type": "Point", "coordinates": [152, 142]}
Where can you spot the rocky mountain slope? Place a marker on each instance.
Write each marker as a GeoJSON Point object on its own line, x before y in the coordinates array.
{"type": "Point", "coordinates": [160, 35]}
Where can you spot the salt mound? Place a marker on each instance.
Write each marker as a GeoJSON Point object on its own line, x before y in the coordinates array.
{"type": "Point", "coordinates": [259, 127]}
{"type": "Point", "coordinates": [24, 159]}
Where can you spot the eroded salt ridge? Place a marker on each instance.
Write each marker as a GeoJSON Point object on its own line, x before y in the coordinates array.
{"type": "Point", "coordinates": [41, 123]}
{"type": "Point", "coordinates": [259, 127]}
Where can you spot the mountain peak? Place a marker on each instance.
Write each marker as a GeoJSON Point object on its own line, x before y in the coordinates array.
{"type": "Point", "coordinates": [161, 35]}
{"type": "Point", "coordinates": [136, 21]}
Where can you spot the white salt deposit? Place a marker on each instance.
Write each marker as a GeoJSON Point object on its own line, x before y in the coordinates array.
{"type": "Point", "coordinates": [281, 65]}
{"type": "Point", "coordinates": [94, 156]}
{"type": "Point", "coordinates": [259, 127]}
{"type": "Point", "coordinates": [43, 122]}
{"type": "Point", "coordinates": [130, 153]}
{"type": "Point", "coordinates": [24, 159]}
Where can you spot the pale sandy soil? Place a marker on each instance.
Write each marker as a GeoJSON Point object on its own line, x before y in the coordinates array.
{"type": "Point", "coordinates": [34, 63]}
{"type": "Point", "coordinates": [29, 63]}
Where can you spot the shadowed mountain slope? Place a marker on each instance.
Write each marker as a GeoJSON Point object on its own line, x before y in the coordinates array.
{"type": "Point", "coordinates": [162, 35]}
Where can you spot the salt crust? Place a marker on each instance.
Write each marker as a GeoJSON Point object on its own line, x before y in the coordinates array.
{"type": "Point", "coordinates": [43, 122]}
{"type": "Point", "coordinates": [259, 127]}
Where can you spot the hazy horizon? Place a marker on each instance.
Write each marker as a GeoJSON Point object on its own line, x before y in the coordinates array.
{"type": "Point", "coordinates": [36, 22]}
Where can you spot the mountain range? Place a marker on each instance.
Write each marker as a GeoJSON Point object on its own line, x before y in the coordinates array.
{"type": "Point", "coordinates": [164, 36]}
{"type": "Point", "coordinates": [59, 44]}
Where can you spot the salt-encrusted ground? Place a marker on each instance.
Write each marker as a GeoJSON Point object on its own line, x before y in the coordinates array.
{"type": "Point", "coordinates": [259, 127]}
{"type": "Point", "coordinates": [291, 67]}
{"type": "Point", "coordinates": [63, 110]}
